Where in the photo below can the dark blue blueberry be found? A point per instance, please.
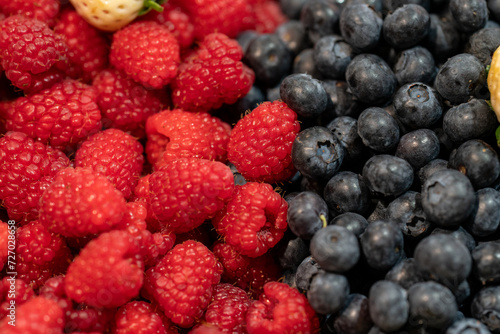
(293, 34)
(273, 93)
(491, 24)
(292, 8)
(361, 26)
(406, 26)
(317, 153)
(418, 147)
(462, 292)
(443, 258)
(304, 63)
(494, 7)
(478, 161)
(307, 213)
(468, 326)
(389, 306)
(461, 77)
(387, 175)
(405, 273)
(460, 234)
(370, 79)
(430, 168)
(328, 292)
(244, 38)
(304, 95)
(378, 130)
(354, 317)
(431, 305)
(471, 120)
(379, 211)
(486, 217)
(292, 252)
(414, 65)
(346, 192)
(483, 43)
(392, 5)
(332, 54)
(443, 40)
(305, 272)
(407, 212)
(485, 307)
(345, 128)
(320, 18)
(354, 222)
(238, 178)
(377, 5)
(417, 105)
(232, 113)
(448, 198)
(382, 245)
(486, 265)
(343, 103)
(269, 58)
(471, 15)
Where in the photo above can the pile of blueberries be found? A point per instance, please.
(394, 214)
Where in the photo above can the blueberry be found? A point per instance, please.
(332, 54)
(430, 168)
(471, 15)
(232, 113)
(494, 7)
(370, 79)
(471, 120)
(467, 326)
(444, 259)
(307, 213)
(431, 305)
(361, 26)
(392, 5)
(293, 34)
(244, 38)
(346, 192)
(387, 175)
(320, 18)
(414, 65)
(305, 272)
(461, 77)
(418, 147)
(478, 161)
(304, 95)
(304, 63)
(343, 103)
(317, 153)
(406, 26)
(380, 210)
(407, 212)
(443, 40)
(389, 307)
(378, 130)
(485, 307)
(382, 245)
(354, 222)
(486, 265)
(354, 318)
(405, 273)
(328, 292)
(293, 252)
(486, 218)
(375, 4)
(292, 8)
(460, 234)
(448, 197)
(345, 128)
(417, 105)
(483, 43)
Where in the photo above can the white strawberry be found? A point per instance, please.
(111, 15)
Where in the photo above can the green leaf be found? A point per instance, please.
(152, 4)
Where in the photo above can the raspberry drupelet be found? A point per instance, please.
(43, 10)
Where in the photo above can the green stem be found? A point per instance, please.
(152, 4)
(497, 135)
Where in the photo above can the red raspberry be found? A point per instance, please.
(27, 168)
(187, 191)
(206, 329)
(114, 154)
(268, 16)
(254, 220)
(4, 111)
(212, 75)
(80, 202)
(62, 116)
(33, 56)
(280, 310)
(87, 48)
(147, 52)
(138, 317)
(14, 289)
(142, 195)
(43, 10)
(4, 243)
(260, 146)
(228, 308)
(108, 272)
(171, 136)
(41, 254)
(37, 315)
(182, 282)
(126, 104)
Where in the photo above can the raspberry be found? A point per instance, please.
(138, 317)
(41, 254)
(187, 191)
(114, 154)
(254, 220)
(126, 104)
(268, 16)
(206, 329)
(212, 75)
(80, 202)
(87, 47)
(13, 289)
(204, 233)
(281, 309)
(171, 136)
(228, 308)
(147, 52)
(63, 115)
(182, 282)
(260, 146)
(4, 243)
(108, 272)
(27, 168)
(142, 195)
(43, 10)
(32, 55)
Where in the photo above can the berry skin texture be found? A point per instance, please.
(138, 317)
(281, 309)
(108, 272)
(182, 282)
(114, 154)
(23, 293)
(187, 191)
(80, 202)
(61, 116)
(171, 136)
(254, 220)
(260, 146)
(147, 52)
(4, 242)
(212, 75)
(44, 10)
(27, 168)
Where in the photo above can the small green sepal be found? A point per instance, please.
(152, 4)
(497, 135)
